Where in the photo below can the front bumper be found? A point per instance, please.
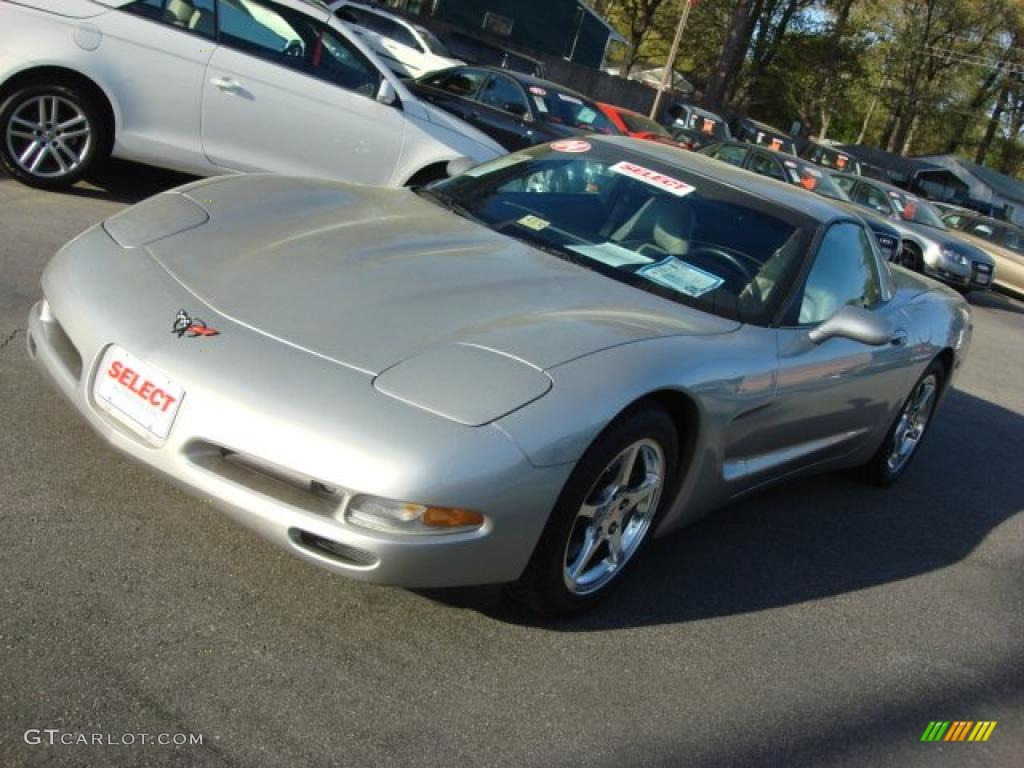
(261, 467)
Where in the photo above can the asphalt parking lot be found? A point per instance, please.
(822, 624)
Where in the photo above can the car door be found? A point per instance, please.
(169, 44)
(286, 92)
(839, 395)
(503, 113)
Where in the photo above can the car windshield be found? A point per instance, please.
(637, 123)
(705, 123)
(652, 225)
(772, 141)
(567, 109)
(917, 210)
(817, 181)
(436, 46)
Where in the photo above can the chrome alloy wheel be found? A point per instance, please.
(912, 423)
(614, 518)
(48, 136)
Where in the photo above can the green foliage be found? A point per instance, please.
(929, 73)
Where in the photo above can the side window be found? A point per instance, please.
(296, 41)
(461, 82)
(502, 93)
(844, 272)
(731, 155)
(196, 16)
(873, 198)
(844, 184)
(398, 33)
(766, 166)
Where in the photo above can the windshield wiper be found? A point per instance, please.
(448, 202)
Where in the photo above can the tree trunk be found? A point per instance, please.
(993, 125)
(867, 119)
(734, 49)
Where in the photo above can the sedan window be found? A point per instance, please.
(873, 198)
(458, 82)
(503, 94)
(296, 41)
(845, 272)
(730, 154)
(766, 166)
(196, 16)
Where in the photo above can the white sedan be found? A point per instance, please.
(409, 49)
(210, 87)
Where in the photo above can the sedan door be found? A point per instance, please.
(169, 45)
(834, 397)
(287, 93)
(503, 113)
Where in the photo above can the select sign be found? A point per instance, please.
(137, 394)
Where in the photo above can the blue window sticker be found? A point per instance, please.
(681, 277)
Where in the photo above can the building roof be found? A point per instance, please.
(613, 33)
(897, 166)
(1001, 184)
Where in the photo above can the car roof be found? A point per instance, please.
(526, 80)
(876, 183)
(787, 195)
(765, 127)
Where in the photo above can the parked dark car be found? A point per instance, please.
(515, 110)
(928, 245)
(693, 119)
(473, 50)
(690, 139)
(803, 173)
(831, 157)
(753, 132)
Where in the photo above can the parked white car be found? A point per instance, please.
(210, 87)
(409, 49)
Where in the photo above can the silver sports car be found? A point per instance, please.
(516, 375)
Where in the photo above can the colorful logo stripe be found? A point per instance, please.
(958, 730)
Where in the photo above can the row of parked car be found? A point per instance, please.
(349, 91)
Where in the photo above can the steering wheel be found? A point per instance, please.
(732, 259)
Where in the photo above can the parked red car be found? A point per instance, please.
(638, 126)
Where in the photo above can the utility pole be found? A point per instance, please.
(669, 72)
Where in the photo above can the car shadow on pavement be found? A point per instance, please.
(816, 538)
(994, 300)
(124, 182)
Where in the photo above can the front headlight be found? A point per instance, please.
(956, 258)
(407, 517)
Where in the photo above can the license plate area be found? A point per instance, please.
(136, 394)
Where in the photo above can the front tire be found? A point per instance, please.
(904, 438)
(604, 516)
(51, 134)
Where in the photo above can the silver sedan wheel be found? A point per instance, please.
(913, 421)
(614, 518)
(48, 136)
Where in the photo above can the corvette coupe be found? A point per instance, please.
(514, 376)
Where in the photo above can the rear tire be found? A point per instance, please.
(604, 516)
(51, 134)
(908, 430)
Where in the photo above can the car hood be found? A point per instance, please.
(368, 277)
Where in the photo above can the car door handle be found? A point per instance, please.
(226, 84)
(899, 339)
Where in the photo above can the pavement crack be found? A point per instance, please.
(9, 339)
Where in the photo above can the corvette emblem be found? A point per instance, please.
(192, 328)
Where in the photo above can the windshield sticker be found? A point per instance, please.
(789, 163)
(542, 105)
(655, 179)
(681, 277)
(612, 254)
(776, 144)
(536, 223)
(570, 99)
(841, 161)
(572, 146)
(495, 165)
(709, 126)
(538, 91)
(586, 116)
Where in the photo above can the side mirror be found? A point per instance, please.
(386, 93)
(854, 323)
(459, 166)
